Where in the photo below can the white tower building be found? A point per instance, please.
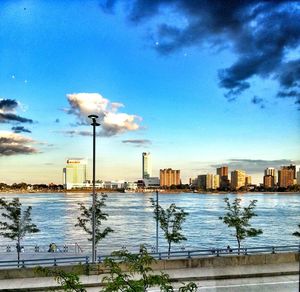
(146, 165)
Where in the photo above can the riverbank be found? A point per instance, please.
(14, 192)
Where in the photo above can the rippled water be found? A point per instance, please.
(131, 217)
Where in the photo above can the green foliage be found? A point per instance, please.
(133, 273)
(85, 219)
(17, 222)
(297, 233)
(68, 281)
(170, 221)
(238, 217)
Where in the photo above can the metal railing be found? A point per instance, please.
(55, 261)
(44, 262)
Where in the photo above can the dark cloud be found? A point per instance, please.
(137, 141)
(57, 120)
(14, 144)
(264, 35)
(8, 118)
(20, 129)
(8, 104)
(255, 165)
(73, 133)
(7, 115)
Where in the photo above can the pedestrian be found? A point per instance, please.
(229, 250)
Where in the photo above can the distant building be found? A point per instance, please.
(269, 181)
(238, 179)
(151, 182)
(271, 171)
(291, 167)
(248, 180)
(223, 173)
(75, 173)
(169, 177)
(146, 165)
(298, 177)
(285, 177)
(208, 181)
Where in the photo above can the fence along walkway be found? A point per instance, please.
(55, 260)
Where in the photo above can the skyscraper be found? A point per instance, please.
(146, 165)
(238, 179)
(169, 177)
(269, 178)
(223, 173)
(75, 173)
(285, 177)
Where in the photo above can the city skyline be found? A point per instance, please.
(192, 103)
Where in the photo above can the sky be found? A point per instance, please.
(198, 84)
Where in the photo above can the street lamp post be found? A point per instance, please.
(94, 124)
(156, 221)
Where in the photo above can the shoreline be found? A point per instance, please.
(17, 192)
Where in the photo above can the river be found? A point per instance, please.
(131, 217)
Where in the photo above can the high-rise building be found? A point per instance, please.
(169, 177)
(248, 180)
(146, 165)
(285, 177)
(298, 177)
(269, 181)
(75, 173)
(208, 181)
(223, 174)
(238, 179)
(271, 171)
(291, 167)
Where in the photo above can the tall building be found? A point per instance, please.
(75, 173)
(298, 177)
(238, 179)
(270, 171)
(223, 174)
(291, 167)
(146, 165)
(269, 181)
(169, 177)
(208, 181)
(248, 180)
(285, 177)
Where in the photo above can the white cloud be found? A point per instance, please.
(112, 122)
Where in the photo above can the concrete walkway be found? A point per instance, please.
(177, 275)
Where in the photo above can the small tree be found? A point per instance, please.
(133, 272)
(238, 217)
(68, 281)
(85, 219)
(170, 221)
(17, 222)
(297, 233)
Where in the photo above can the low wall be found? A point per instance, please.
(171, 264)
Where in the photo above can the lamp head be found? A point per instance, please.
(93, 116)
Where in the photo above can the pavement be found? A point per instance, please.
(236, 278)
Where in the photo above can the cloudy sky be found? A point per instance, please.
(196, 83)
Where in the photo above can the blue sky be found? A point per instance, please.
(162, 91)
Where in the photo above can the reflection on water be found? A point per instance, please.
(131, 217)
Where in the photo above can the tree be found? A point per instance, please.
(133, 272)
(86, 217)
(297, 233)
(17, 222)
(170, 221)
(68, 281)
(126, 272)
(238, 217)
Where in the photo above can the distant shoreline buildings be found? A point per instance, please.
(75, 177)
